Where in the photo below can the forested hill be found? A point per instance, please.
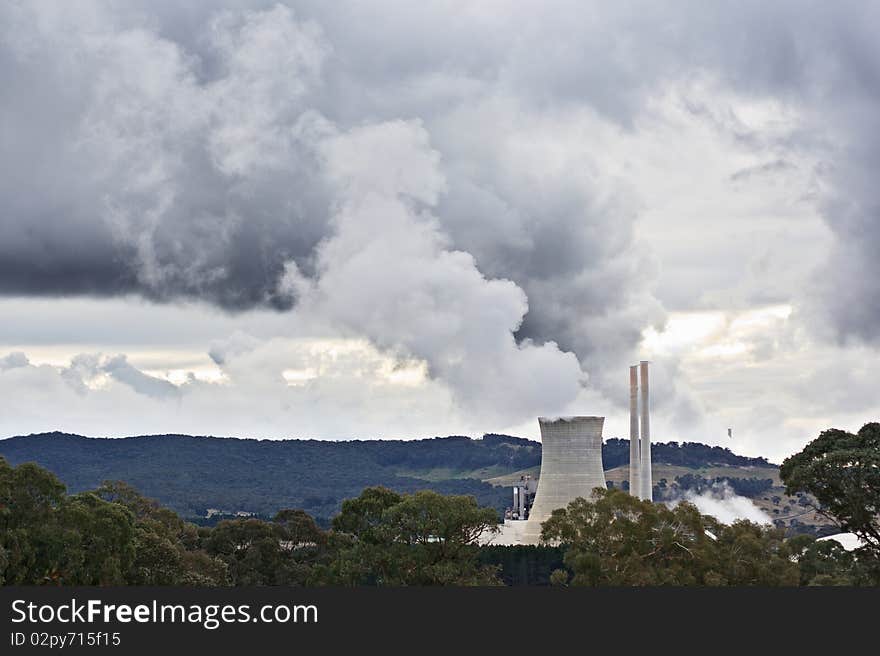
(615, 452)
(195, 474)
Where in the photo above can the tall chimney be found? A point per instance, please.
(635, 458)
(645, 477)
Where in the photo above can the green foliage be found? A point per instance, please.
(29, 494)
(746, 553)
(364, 516)
(164, 544)
(47, 537)
(416, 539)
(842, 471)
(826, 562)
(620, 540)
(290, 550)
(251, 549)
(111, 536)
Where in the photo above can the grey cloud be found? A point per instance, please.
(14, 360)
(86, 368)
(848, 284)
(119, 368)
(776, 166)
(239, 342)
(824, 60)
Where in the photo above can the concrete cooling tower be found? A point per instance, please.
(571, 466)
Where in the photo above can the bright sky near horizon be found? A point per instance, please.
(397, 220)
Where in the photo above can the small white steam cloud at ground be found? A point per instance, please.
(722, 503)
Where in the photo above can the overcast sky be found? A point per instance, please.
(407, 219)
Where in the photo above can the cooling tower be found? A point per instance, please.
(571, 466)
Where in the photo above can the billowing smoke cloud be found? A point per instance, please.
(722, 503)
(390, 273)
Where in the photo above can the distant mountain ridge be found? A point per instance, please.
(193, 475)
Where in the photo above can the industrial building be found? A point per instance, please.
(571, 465)
(523, 498)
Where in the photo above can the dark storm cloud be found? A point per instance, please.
(128, 174)
(849, 284)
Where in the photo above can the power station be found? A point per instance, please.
(571, 464)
